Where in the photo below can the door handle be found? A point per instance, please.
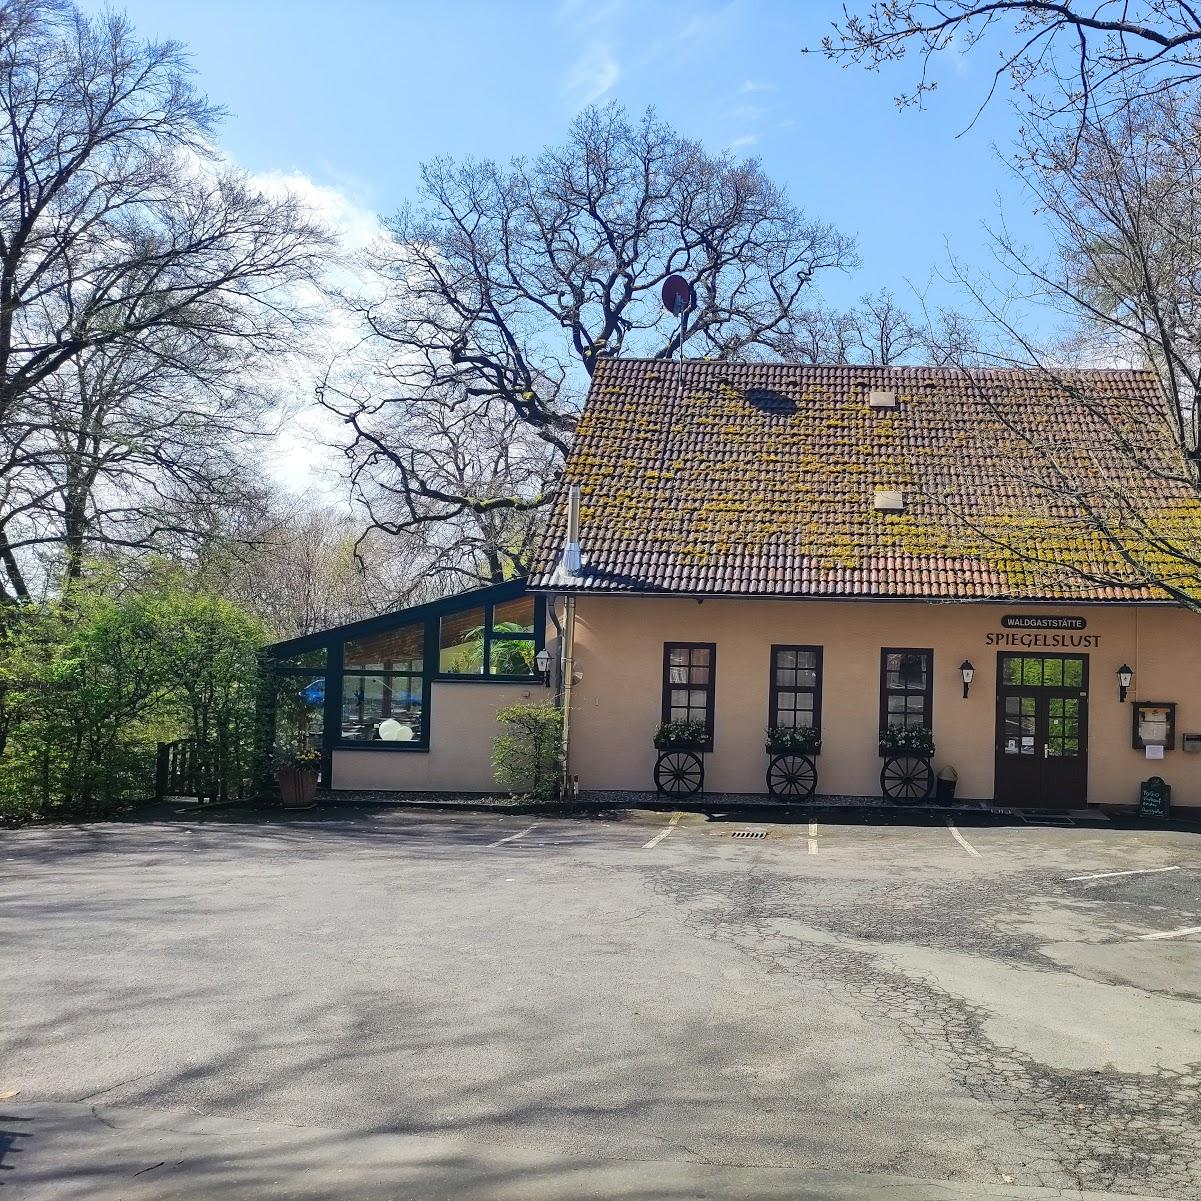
(1046, 750)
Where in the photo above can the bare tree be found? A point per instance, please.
(1121, 193)
(1122, 199)
(881, 332)
(468, 475)
(139, 439)
(1063, 55)
(504, 285)
(137, 278)
(302, 567)
(297, 565)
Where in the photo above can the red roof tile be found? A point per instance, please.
(758, 478)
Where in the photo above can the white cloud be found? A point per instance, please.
(356, 222)
(593, 74)
(301, 457)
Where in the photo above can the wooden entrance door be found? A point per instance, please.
(1042, 731)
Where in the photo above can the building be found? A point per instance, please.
(408, 701)
(846, 548)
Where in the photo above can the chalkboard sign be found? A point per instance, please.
(1154, 798)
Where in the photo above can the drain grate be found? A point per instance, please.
(1058, 821)
(749, 834)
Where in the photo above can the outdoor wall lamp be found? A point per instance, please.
(542, 660)
(1125, 675)
(968, 672)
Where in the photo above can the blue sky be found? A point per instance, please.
(355, 95)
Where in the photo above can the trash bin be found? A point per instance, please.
(1155, 798)
(944, 790)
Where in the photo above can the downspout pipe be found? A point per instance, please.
(571, 569)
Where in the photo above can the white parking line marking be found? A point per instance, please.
(658, 838)
(1134, 871)
(513, 837)
(813, 838)
(959, 838)
(1171, 933)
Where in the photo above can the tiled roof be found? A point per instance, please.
(757, 478)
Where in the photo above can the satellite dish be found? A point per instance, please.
(679, 296)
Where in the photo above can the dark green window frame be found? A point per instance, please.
(534, 639)
(281, 659)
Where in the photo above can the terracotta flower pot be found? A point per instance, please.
(297, 786)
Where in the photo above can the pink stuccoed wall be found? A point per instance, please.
(464, 725)
(619, 653)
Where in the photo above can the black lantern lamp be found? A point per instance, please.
(1125, 675)
(968, 672)
(542, 661)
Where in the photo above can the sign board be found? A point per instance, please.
(1022, 621)
(1154, 798)
(1154, 724)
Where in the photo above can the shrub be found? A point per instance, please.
(90, 684)
(527, 757)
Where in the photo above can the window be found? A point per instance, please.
(297, 703)
(688, 679)
(511, 638)
(383, 686)
(796, 687)
(461, 643)
(906, 687)
(299, 708)
(1063, 727)
(1037, 671)
(305, 661)
(491, 640)
(1021, 725)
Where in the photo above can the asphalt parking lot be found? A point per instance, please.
(437, 1004)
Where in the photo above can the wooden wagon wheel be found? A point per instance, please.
(792, 776)
(679, 773)
(906, 778)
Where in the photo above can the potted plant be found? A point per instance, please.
(680, 767)
(803, 740)
(296, 775)
(907, 751)
(681, 736)
(791, 770)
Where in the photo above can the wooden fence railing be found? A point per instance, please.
(188, 768)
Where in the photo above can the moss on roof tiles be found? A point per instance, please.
(759, 478)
